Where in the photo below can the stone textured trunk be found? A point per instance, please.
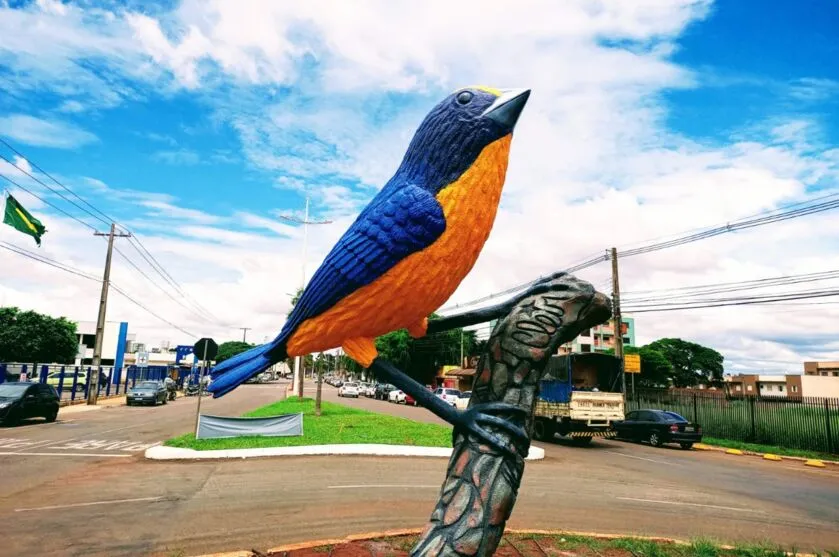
(481, 484)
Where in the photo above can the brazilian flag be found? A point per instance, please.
(20, 219)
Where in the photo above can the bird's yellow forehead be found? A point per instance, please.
(484, 88)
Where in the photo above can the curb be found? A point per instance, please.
(813, 462)
(161, 452)
(416, 531)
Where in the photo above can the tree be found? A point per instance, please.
(231, 348)
(656, 369)
(692, 363)
(29, 336)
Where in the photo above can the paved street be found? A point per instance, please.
(102, 504)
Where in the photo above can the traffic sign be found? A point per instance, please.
(142, 359)
(632, 363)
(205, 349)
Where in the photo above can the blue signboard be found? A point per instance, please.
(181, 352)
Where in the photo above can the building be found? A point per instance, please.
(787, 386)
(823, 369)
(601, 338)
(115, 341)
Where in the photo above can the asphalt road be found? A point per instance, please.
(100, 504)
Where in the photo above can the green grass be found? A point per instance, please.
(338, 424)
(758, 448)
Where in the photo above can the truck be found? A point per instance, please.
(580, 398)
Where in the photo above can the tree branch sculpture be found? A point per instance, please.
(482, 482)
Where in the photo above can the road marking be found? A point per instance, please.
(642, 458)
(68, 454)
(90, 504)
(380, 486)
(660, 502)
(96, 433)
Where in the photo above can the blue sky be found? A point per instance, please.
(199, 123)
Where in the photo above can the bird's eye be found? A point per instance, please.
(464, 97)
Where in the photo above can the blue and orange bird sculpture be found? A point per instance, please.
(406, 253)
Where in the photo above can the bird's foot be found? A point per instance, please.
(475, 420)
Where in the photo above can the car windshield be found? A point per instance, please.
(671, 417)
(467, 394)
(12, 389)
(350, 385)
(452, 392)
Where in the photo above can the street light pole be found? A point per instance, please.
(298, 373)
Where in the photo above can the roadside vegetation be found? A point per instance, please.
(338, 424)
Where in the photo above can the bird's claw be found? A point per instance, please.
(474, 421)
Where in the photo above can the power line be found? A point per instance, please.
(180, 303)
(757, 284)
(48, 175)
(108, 220)
(56, 207)
(739, 301)
(735, 226)
(52, 189)
(80, 273)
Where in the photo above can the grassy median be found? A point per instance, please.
(337, 424)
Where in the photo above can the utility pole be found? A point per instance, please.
(93, 387)
(298, 373)
(461, 348)
(617, 323)
(245, 333)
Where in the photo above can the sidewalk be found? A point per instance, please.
(116, 400)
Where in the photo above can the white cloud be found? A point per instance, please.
(593, 163)
(186, 157)
(44, 133)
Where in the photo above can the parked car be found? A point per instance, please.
(409, 400)
(66, 382)
(19, 401)
(463, 400)
(349, 390)
(382, 390)
(147, 392)
(396, 396)
(657, 427)
(368, 389)
(449, 395)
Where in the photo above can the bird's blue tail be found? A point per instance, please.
(234, 371)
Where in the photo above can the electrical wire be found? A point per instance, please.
(80, 273)
(156, 266)
(55, 191)
(56, 207)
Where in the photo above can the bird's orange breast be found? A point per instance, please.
(423, 281)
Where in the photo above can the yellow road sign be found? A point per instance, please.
(632, 363)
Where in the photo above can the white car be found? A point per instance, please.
(463, 401)
(366, 389)
(348, 389)
(396, 396)
(449, 395)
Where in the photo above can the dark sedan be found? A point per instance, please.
(19, 401)
(147, 392)
(658, 427)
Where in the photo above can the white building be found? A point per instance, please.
(114, 342)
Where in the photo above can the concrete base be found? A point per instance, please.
(161, 452)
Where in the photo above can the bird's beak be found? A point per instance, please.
(507, 107)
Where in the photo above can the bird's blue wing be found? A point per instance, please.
(397, 223)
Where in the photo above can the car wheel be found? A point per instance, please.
(686, 446)
(52, 416)
(654, 439)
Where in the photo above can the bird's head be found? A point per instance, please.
(455, 132)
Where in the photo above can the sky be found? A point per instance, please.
(199, 125)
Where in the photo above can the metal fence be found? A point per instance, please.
(74, 382)
(796, 423)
